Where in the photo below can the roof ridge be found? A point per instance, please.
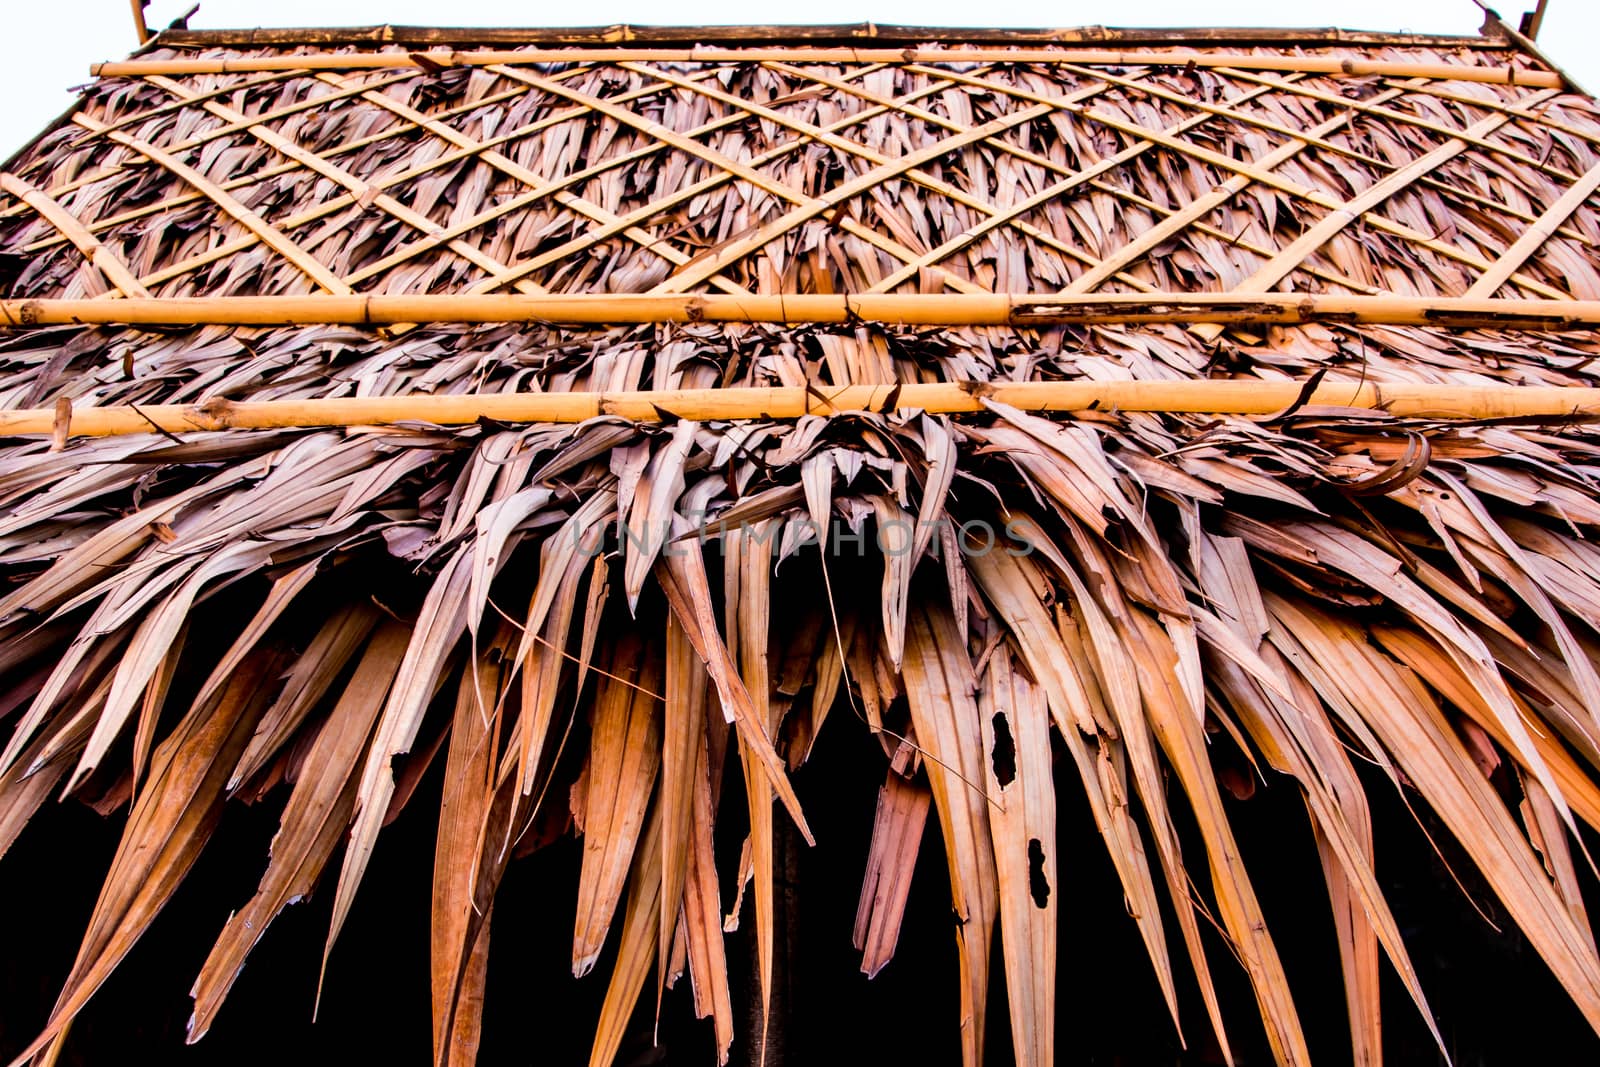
(623, 34)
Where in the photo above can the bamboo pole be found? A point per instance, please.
(1206, 396)
(433, 60)
(1493, 21)
(268, 234)
(1202, 206)
(793, 34)
(140, 27)
(106, 261)
(351, 183)
(1288, 259)
(1536, 235)
(1224, 161)
(1533, 21)
(910, 309)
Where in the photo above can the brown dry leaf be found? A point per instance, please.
(747, 580)
(683, 580)
(1013, 584)
(1180, 736)
(1549, 836)
(438, 626)
(313, 823)
(682, 747)
(1296, 737)
(314, 672)
(148, 648)
(22, 793)
(897, 541)
(1015, 719)
(166, 830)
(897, 827)
(702, 915)
(940, 690)
(460, 946)
(640, 923)
(624, 756)
(1416, 736)
(543, 659)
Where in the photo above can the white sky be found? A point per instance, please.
(52, 42)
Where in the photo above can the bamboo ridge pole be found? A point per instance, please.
(865, 33)
(1493, 21)
(1206, 396)
(434, 60)
(913, 309)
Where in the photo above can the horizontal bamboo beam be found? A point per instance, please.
(435, 60)
(909, 309)
(1206, 396)
(838, 33)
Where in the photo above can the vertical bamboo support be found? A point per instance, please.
(140, 27)
(1533, 20)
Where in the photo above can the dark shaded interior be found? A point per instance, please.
(376, 1003)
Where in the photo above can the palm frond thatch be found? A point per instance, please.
(584, 625)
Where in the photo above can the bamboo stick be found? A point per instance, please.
(69, 226)
(1493, 21)
(557, 191)
(1008, 215)
(1534, 20)
(140, 27)
(1371, 105)
(1204, 396)
(1202, 206)
(264, 230)
(1516, 109)
(1158, 210)
(733, 167)
(326, 207)
(1535, 236)
(358, 187)
(721, 257)
(1297, 252)
(212, 134)
(909, 309)
(886, 168)
(1328, 65)
(1272, 179)
(1088, 176)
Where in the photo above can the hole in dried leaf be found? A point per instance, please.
(1005, 751)
(1038, 884)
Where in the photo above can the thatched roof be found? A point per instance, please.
(568, 617)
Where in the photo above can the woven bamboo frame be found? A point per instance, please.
(688, 271)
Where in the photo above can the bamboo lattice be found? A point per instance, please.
(783, 171)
